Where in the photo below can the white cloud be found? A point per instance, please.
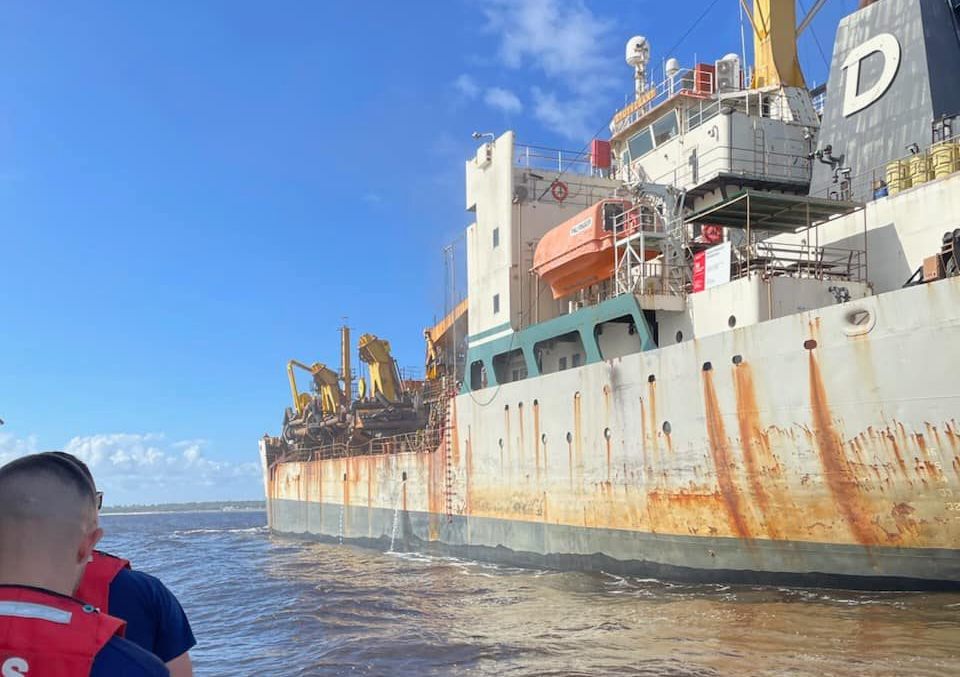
(147, 468)
(565, 41)
(573, 117)
(467, 86)
(503, 100)
(11, 447)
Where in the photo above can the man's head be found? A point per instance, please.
(48, 521)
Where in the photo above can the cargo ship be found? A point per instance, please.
(721, 344)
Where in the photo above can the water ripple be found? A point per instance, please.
(262, 604)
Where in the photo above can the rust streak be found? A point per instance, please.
(899, 454)
(839, 478)
(522, 441)
(652, 399)
(720, 451)
(536, 437)
(748, 419)
(643, 434)
(578, 431)
(608, 461)
(455, 450)
(468, 450)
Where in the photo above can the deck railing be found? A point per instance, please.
(774, 259)
(427, 440)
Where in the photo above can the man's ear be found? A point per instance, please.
(90, 540)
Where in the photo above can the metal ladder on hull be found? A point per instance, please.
(449, 476)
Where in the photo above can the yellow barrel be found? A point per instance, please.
(919, 168)
(944, 159)
(897, 176)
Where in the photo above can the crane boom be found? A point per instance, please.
(776, 63)
(327, 384)
(384, 376)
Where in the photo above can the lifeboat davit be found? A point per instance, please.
(579, 252)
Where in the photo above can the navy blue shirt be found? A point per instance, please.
(155, 619)
(120, 658)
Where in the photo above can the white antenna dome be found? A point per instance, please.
(731, 57)
(672, 67)
(638, 51)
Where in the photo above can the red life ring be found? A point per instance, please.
(559, 191)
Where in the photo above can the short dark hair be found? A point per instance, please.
(77, 462)
(63, 466)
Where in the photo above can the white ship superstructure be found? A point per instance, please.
(680, 360)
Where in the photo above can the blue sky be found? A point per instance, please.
(191, 193)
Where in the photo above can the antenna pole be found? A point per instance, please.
(345, 373)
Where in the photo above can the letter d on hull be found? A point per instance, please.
(855, 100)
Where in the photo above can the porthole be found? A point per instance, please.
(344, 477)
(500, 442)
(536, 403)
(403, 476)
(679, 336)
(543, 438)
(732, 321)
(737, 359)
(606, 433)
(569, 438)
(667, 427)
(506, 407)
(651, 378)
(707, 366)
(809, 344)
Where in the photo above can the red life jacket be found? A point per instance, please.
(94, 587)
(43, 633)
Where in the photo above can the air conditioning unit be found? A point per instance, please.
(728, 73)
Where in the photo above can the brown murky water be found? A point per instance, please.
(267, 605)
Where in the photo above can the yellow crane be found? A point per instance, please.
(326, 381)
(440, 341)
(775, 33)
(384, 376)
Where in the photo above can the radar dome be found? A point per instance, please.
(638, 51)
(672, 67)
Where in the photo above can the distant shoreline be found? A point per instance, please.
(123, 513)
(199, 506)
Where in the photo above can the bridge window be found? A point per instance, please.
(640, 143)
(556, 353)
(617, 337)
(510, 366)
(478, 375)
(665, 128)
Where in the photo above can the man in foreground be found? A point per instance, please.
(155, 620)
(48, 529)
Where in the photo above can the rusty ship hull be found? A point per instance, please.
(778, 406)
(800, 450)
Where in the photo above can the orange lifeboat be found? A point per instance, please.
(579, 252)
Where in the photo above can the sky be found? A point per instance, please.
(192, 193)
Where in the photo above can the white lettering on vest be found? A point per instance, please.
(14, 667)
(888, 45)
